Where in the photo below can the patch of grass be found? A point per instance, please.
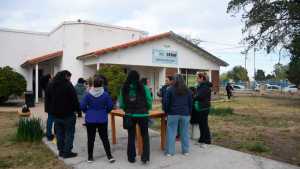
(219, 111)
(5, 164)
(256, 147)
(23, 155)
(30, 129)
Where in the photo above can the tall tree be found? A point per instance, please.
(268, 23)
(280, 71)
(238, 73)
(260, 75)
(293, 72)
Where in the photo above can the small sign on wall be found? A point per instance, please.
(160, 56)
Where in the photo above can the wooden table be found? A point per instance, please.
(152, 114)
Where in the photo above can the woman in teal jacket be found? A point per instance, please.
(135, 99)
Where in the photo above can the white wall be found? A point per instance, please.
(97, 37)
(17, 47)
(142, 55)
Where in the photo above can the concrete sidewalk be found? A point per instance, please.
(210, 157)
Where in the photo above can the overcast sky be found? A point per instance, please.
(203, 19)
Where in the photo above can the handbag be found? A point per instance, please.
(127, 122)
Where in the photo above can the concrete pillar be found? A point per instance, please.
(37, 83)
(162, 76)
(209, 75)
(98, 66)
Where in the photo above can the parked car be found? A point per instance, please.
(238, 87)
(291, 89)
(273, 87)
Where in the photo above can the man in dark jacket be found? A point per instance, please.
(163, 90)
(229, 90)
(203, 96)
(61, 101)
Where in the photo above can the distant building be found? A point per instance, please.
(82, 47)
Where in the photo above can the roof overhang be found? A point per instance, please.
(42, 58)
(171, 35)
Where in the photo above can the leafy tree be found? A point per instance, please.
(280, 71)
(268, 23)
(238, 73)
(224, 76)
(115, 76)
(11, 82)
(270, 77)
(293, 72)
(260, 75)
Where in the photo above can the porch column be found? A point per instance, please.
(37, 83)
(209, 75)
(98, 66)
(162, 76)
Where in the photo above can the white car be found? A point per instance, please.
(273, 88)
(238, 87)
(291, 89)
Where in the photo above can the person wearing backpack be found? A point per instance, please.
(178, 108)
(135, 99)
(61, 102)
(203, 97)
(96, 105)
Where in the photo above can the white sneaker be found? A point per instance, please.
(186, 154)
(111, 160)
(168, 155)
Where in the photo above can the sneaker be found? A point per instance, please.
(50, 138)
(69, 155)
(90, 160)
(131, 160)
(60, 154)
(168, 155)
(186, 154)
(111, 160)
(145, 161)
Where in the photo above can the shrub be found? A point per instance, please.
(221, 111)
(11, 82)
(30, 129)
(115, 76)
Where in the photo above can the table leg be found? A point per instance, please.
(162, 132)
(139, 140)
(113, 129)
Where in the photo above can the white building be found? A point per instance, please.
(82, 47)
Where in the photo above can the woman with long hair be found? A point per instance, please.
(203, 96)
(178, 106)
(135, 99)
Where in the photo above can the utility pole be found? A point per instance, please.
(254, 50)
(246, 61)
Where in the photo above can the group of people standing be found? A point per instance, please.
(181, 104)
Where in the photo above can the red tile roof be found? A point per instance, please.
(43, 58)
(125, 45)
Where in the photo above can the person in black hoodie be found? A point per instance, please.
(203, 96)
(61, 102)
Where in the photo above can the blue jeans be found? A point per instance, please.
(50, 121)
(172, 125)
(65, 129)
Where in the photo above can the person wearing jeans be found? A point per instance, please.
(96, 105)
(178, 107)
(65, 129)
(50, 121)
(61, 102)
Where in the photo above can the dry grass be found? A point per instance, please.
(266, 126)
(22, 155)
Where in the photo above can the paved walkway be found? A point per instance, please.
(210, 157)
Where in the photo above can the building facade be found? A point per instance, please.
(83, 47)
